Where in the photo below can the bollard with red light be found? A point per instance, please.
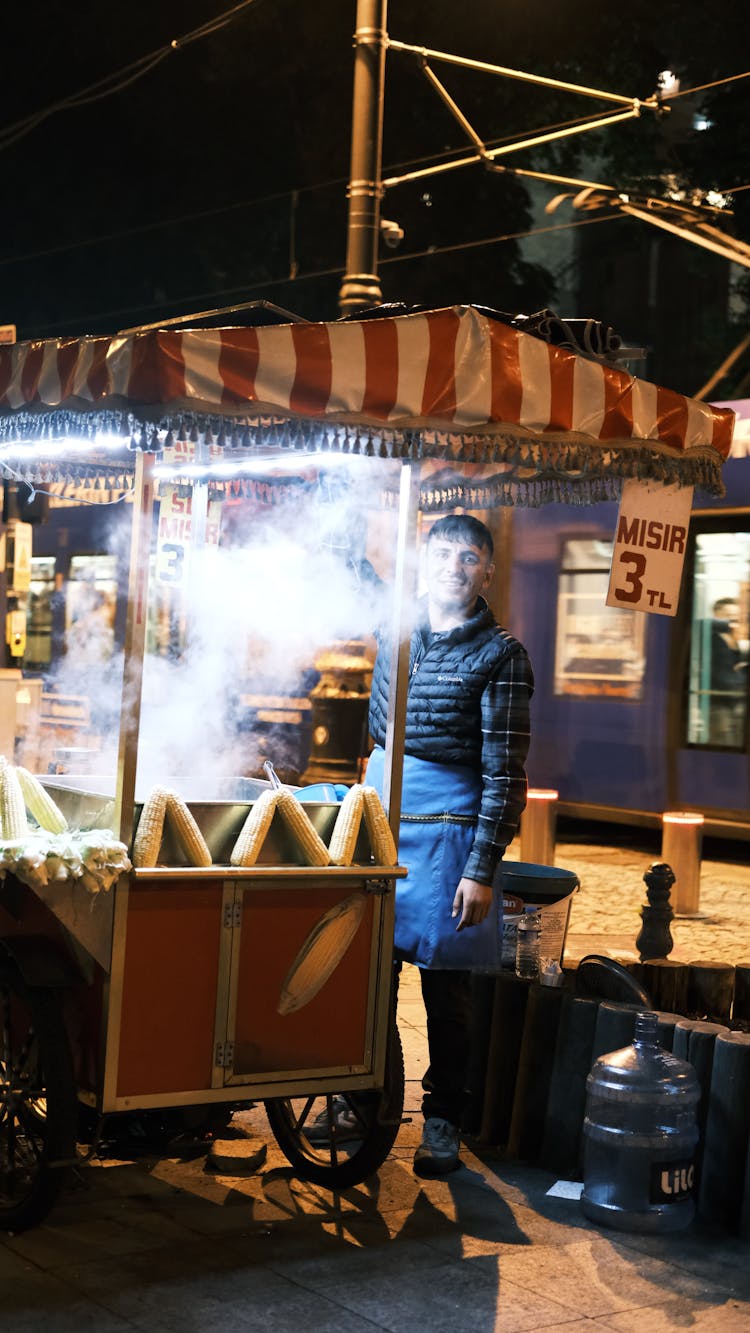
(537, 828)
(682, 835)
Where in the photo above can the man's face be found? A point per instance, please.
(457, 572)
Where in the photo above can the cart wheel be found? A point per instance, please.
(37, 1102)
(341, 1158)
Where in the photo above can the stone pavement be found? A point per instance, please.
(605, 913)
(160, 1245)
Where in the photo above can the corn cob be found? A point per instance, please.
(254, 830)
(12, 807)
(382, 844)
(186, 831)
(150, 828)
(311, 845)
(346, 829)
(321, 953)
(39, 803)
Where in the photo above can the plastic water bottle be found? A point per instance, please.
(529, 943)
(640, 1134)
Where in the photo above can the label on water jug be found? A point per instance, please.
(671, 1182)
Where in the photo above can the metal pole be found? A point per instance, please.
(135, 643)
(360, 285)
(402, 622)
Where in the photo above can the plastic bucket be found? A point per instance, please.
(550, 889)
(322, 791)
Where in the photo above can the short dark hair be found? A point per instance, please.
(724, 601)
(463, 527)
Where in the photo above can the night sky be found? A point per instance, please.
(219, 176)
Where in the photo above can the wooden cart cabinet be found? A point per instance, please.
(199, 961)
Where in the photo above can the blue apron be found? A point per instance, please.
(438, 823)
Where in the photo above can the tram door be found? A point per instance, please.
(715, 723)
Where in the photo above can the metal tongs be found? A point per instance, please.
(272, 775)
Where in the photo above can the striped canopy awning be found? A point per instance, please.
(452, 384)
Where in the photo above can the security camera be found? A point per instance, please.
(391, 233)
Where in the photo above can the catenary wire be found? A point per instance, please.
(257, 202)
(119, 79)
(704, 87)
(337, 270)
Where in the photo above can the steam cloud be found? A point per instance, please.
(256, 611)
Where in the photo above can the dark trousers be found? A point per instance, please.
(447, 1002)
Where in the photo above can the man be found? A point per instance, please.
(728, 676)
(464, 787)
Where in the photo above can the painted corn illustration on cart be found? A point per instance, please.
(201, 942)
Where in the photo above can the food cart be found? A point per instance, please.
(167, 985)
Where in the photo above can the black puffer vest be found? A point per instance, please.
(447, 677)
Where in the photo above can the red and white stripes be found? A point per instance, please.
(453, 369)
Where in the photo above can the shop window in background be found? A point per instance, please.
(90, 605)
(38, 655)
(599, 650)
(719, 632)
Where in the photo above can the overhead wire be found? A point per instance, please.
(429, 252)
(142, 66)
(256, 202)
(704, 87)
(119, 79)
(130, 73)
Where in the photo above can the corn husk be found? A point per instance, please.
(379, 832)
(150, 829)
(321, 953)
(186, 831)
(306, 838)
(346, 829)
(12, 805)
(252, 835)
(40, 804)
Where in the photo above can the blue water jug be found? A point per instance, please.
(640, 1134)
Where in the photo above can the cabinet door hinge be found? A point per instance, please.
(232, 914)
(224, 1054)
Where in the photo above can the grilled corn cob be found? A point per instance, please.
(12, 807)
(40, 804)
(311, 845)
(346, 829)
(321, 953)
(379, 832)
(150, 828)
(254, 830)
(188, 835)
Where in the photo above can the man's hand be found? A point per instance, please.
(473, 901)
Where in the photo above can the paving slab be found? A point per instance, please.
(159, 1243)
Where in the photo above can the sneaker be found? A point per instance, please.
(437, 1154)
(347, 1125)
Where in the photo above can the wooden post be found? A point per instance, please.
(682, 833)
(535, 1062)
(722, 1180)
(537, 828)
(615, 1025)
(666, 982)
(694, 1041)
(566, 1102)
(710, 991)
(741, 1006)
(508, 1014)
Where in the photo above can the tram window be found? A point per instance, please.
(38, 653)
(599, 649)
(717, 713)
(90, 603)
